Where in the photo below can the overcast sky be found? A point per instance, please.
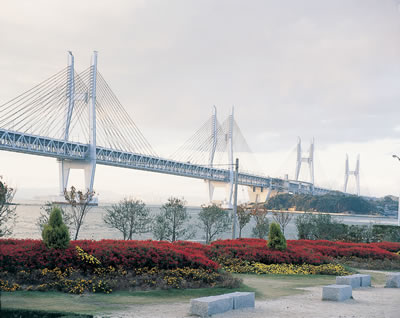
(312, 68)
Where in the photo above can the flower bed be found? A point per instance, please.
(257, 251)
(240, 266)
(101, 266)
(18, 255)
(32, 254)
(342, 249)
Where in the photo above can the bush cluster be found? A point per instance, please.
(103, 266)
(276, 239)
(32, 254)
(55, 234)
(323, 227)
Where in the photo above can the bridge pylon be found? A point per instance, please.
(355, 173)
(88, 165)
(308, 160)
(214, 134)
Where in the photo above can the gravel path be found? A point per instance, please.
(374, 302)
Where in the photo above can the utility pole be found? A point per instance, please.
(398, 209)
(234, 213)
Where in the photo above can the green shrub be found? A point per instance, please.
(276, 239)
(390, 233)
(55, 234)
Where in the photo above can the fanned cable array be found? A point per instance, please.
(115, 128)
(199, 147)
(43, 111)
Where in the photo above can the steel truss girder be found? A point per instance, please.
(61, 149)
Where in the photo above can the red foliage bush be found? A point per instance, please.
(33, 254)
(342, 249)
(256, 250)
(389, 246)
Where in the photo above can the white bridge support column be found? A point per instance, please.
(212, 152)
(89, 165)
(230, 154)
(355, 173)
(89, 174)
(308, 160)
(63, 170)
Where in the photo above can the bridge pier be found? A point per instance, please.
(65, 167)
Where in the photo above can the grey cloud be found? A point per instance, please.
(287, 66)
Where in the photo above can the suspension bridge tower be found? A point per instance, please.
(355, 173)
(308, 160)
(89, 98)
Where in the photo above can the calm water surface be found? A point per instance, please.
(95, 228)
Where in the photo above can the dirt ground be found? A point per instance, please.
(374, 302)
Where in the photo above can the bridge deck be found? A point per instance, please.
(60, 149)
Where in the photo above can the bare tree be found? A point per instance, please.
(172, 223)
(244, 217)
(283, 219)
(80, 206)
(129, 217)
(8, 215)
(214, 221)
(259, 212)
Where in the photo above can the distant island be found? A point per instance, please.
(334, 202)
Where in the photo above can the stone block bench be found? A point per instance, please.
(206, 306)
(393, 280)
(355, 281)
(337, 292)
(242, 300)
(365, 280)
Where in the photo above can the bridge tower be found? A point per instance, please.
(229, 141)
(355, 173)
(214, 134)
(230, 154)
(308, 160)
(89, 165)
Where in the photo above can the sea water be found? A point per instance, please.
(94, 227)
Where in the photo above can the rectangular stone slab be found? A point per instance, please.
(365, 280)
(242, 299)
(206, 306)
(336, 292)
(393, 280)
(352, 280)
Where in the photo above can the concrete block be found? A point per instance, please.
(393, 280)
(242, 300)
(336, 292)
(206, 306)
(353, 280)
(365, 280)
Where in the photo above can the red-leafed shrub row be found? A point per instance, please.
(301, 251)
(389, 246)
(342, 249)
(256, 250)
(30, 254)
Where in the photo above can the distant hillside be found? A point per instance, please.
(334, 202)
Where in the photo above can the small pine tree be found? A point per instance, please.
(276, 239)
(55, 234)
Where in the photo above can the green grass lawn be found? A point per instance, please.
(97, 303)
(265, 287)
(275, 286)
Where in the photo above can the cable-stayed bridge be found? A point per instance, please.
(77, 119)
